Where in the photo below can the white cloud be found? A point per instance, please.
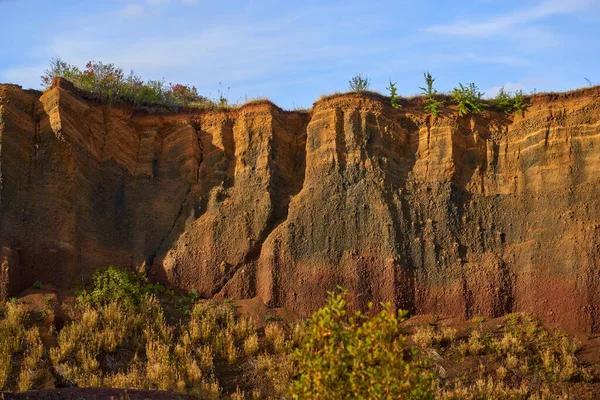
(132, 11)
(503, 24)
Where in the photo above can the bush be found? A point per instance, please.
(37, 285)
(508, 102)
(59, 67)
(469, 99)
(114, 284)
(431, 104)
(519, 103)
(393, 95)
(359, 84)
(355, 356)
(109, 83)
(504, 101)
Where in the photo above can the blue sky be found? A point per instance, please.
(294, 51)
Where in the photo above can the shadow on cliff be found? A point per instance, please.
(471, 158)
(396, 178)
(215, 175)
(216, 184)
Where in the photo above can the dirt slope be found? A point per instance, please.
(452, 215)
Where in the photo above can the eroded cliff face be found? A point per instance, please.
(452, 215)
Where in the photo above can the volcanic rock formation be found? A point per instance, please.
(453, 215)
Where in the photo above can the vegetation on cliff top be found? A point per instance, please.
(507, 102)
(109, 83)
(123, 333)
(432, 105)
(359, 83)
(468, 98)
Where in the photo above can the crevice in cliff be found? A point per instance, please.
(467, 295)
(152, 256)
(104, 124)
(186, 198)
(395, 191)
(35, 118)
(504, 299)
(340, 140)
(282, 188)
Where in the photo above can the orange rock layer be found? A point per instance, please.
(450, 215)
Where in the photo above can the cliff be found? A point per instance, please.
(451, 215)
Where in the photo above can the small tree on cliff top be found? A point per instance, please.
(359, 83)
(393, 95)
(431, 104)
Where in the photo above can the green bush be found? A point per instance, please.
(115, 284)
(393, 95)
(431, 104)
(359, 84)
(347, 356)
(508, 102)
(469, 99)
(503, 101)
(519, 103)
(37, 285)
(109, 83)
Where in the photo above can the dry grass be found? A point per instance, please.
(425, 336)
(112, 346)
(278, 368)
(484, 389)
(519, 359)
(251, 345)
(18, 341)
(275, 336)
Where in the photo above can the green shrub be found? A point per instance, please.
(431, 104)
(59, 67)
(393, 95)
(37, 285)
(114, 284)
(519, 103)
(504, 101)
(359, 84)
(508, 102)
(347, 355)
(469, 99)
(109, 83)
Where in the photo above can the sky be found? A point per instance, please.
(292, 52)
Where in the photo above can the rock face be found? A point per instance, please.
(451, 215)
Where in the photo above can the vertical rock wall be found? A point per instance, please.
(460, 216)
